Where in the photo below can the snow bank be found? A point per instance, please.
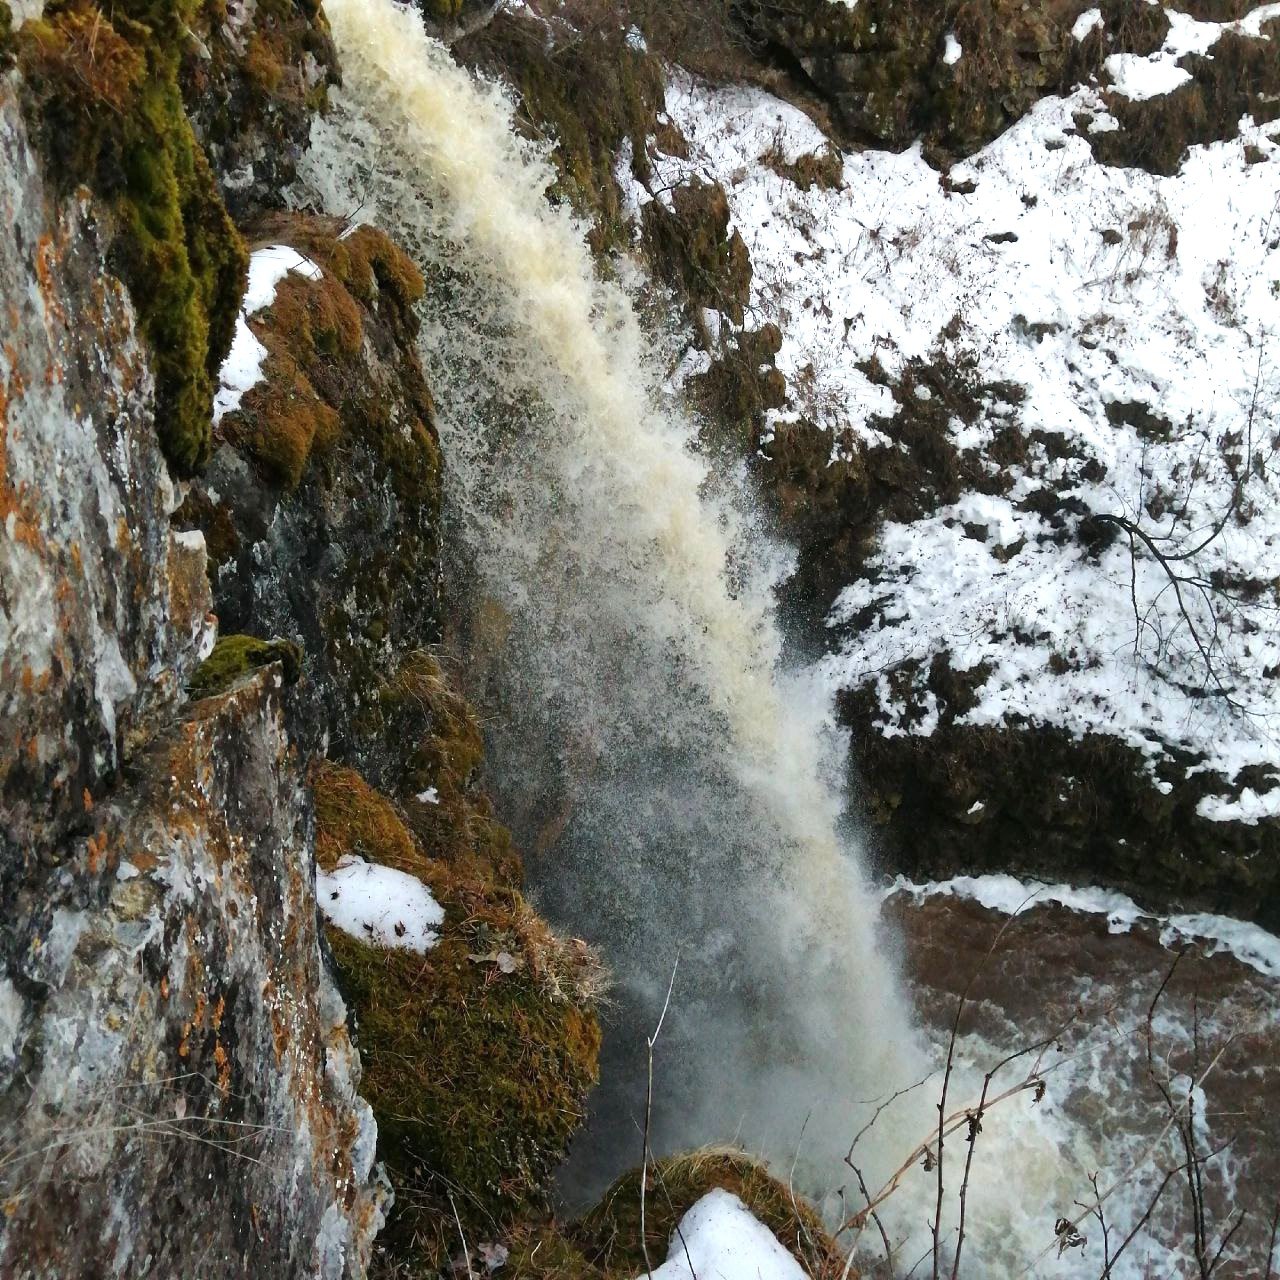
(242, 369)
(379, 905)
(722, 1240)
(1247, 942)
(1135, 317)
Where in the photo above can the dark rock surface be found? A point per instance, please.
(329, 536)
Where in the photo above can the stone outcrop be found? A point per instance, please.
(321, 502)
(167, 1027)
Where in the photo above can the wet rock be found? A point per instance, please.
(892, 72)
(321, 503)
(177, 1088)
(253, 74)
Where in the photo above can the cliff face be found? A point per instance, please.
(169, 1036)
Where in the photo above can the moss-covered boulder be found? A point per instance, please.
(609, 1237)
(478, 1055)
(321, 503)
(236, 656)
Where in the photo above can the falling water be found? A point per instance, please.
(673, 786)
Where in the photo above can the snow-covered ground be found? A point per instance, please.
(1090, 288)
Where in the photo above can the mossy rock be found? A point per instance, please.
(438, 774)
(691, 248)
(546, 1251)
(587, 90)
(351, 817)
(235, 656)
(252, 92)
(101, 82)
(478, 1078)
(609, 1237)
(478, 1055)
(1239, 77)
(315, 387)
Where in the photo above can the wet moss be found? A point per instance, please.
(610, 1237)
(351, 817)
(315, 392)
(691, 248)
(445, 804)
(103, 87)
(234, 656)
(546, 1251)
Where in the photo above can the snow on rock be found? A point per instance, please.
(1089, 20)
(379, 905)
(953, 51)
(242, 369)
(1140, 78)
(720, 1239)
(1134, 317)
(1249, 807)
(1010, 895)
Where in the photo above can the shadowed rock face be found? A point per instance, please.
(167, 1029)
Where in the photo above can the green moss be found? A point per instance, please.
(546, 1251)
(316, 390)
(105, 92)
(233, 656)
(610, 1237)
(443, 752)
(351, 817)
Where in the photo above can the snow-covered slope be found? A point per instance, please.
(1111, 563)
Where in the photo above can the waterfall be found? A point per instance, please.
(675, 791)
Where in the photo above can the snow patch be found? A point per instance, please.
(1140, 78)
(379, 905)
(720, 1239)
(953, 51)
(1009, 895)
(1089, 20)
(1250, 807)
(242, 369)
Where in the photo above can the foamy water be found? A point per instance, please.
(676, 793)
